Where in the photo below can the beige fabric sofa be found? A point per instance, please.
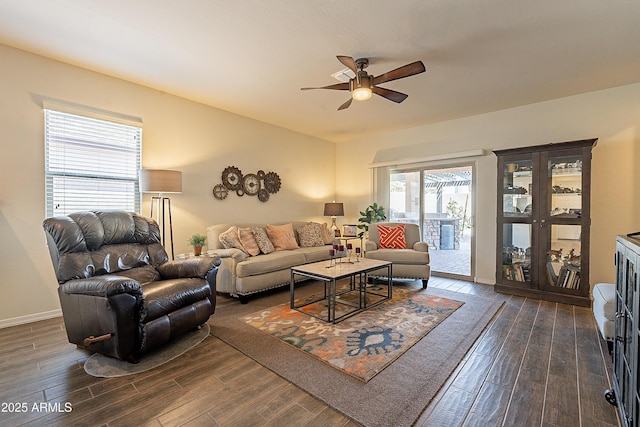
(410, 263)
(242, 275)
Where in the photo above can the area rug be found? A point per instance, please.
(102, 366)
(361, 345)
(397, 395)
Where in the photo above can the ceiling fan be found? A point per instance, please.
(363, 84)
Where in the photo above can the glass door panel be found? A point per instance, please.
(518, 184)
(516, 252)
(404, 197)
(563, 256)
(447, 207)
(440, 201)
(565, 183)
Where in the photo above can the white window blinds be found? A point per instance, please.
(90, 164)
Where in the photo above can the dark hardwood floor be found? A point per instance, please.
(537, 364)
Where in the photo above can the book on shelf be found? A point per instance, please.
(519, 272)
(563, 276)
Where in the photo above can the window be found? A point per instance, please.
(90, 163)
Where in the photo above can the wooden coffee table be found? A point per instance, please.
(356, 297)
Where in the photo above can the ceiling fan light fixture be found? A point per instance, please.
(361, 93)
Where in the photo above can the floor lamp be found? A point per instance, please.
(162, 181)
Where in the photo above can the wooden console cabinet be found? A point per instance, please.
(626, 383)
(543, 221)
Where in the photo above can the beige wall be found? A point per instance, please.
(611, 115)
(201, 141)
(178, 134)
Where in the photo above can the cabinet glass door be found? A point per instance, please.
(563, 257)
(517, 213)
(516, 252)
(517, 198)
(565, 183)
(561, 222)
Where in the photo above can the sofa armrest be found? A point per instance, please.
(102, 286)
(370, 246)
(236, 254)
(192, 267)
(421, 247)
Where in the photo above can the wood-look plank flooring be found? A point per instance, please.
(537, 364)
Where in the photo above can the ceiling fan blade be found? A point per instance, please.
(348, 62)
(337, 86)
(400, 73)
(345, 105)
(391, 95)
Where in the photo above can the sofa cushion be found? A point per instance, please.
(267, 263)
(248, 241)
(265, 245)
(310, 235)
(316, 253)
(400, 256)
(230, 239)
(392, 237)
(327, 234)
(282, 237)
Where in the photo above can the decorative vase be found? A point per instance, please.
(197, 250)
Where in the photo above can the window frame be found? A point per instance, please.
(121, 178)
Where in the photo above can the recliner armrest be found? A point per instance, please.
(421, 247)
(184, 268)
(102, 286)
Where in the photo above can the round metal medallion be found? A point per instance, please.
(251, 184)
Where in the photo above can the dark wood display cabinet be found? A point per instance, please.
(543, 221)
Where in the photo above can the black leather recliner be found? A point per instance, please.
(120, 295)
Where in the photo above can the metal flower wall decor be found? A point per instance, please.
(261, 184)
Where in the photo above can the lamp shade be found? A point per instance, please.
(160, 181)
(333, 209)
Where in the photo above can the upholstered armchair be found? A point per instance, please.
(119, 293)
(400, 243)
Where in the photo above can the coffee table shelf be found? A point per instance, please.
(329, 274)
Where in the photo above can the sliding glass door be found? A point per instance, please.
(440, 201)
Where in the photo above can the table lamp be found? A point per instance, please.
(334, 210)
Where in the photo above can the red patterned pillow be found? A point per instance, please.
(392, 237)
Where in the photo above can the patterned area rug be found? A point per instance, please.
(362, 345)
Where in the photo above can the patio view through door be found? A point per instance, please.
(440, 201)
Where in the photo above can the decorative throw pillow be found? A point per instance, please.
(328, 235)
(230, 239)
(282, 237)
(265, 245)
(310, 235)
(392, 237)
(248, 242)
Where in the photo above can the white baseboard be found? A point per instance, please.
(22, 320)
(485, 281)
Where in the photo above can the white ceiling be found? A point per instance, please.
(251, 57)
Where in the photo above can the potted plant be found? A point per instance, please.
(197, 241)
(373, 213)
